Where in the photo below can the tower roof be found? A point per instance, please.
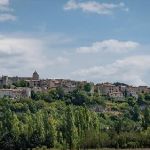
(35, 72)
(35, 75)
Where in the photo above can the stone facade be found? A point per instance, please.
(119, 92)
(110, 90)
(36, 84)
(16, 93)
(35, 76)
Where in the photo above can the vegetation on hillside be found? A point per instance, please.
(71, 121)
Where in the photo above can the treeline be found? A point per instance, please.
(65, 121)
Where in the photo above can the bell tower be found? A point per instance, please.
(35, 76)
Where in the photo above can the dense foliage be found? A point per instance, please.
(70, 121)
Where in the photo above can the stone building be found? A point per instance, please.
(35, 76)
(110, 90)
(132, 91)
(143, 89)
(107, 88)
(16, 93)
(35, 83)
(4, 81)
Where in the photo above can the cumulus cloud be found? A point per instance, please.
(18, 53)
(4, 2)
(129, 70)
(6, 13)
(7, 17)
(59, 61)
(109, 46)
(95, 7)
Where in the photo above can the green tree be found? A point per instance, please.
(136, 113)
(87, 87)
(146, 120)
(21, 83)
(131, 101)
(70, 129)
(140, 99)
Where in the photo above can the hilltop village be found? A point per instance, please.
(21, 87)
(66, 114)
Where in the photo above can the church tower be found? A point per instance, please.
(35, 76)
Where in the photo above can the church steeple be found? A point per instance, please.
(35, 76)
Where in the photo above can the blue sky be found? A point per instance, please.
(94, 40)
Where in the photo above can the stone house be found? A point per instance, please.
(15, 93)
(107, 88)
(110, 90)
(132, 91)
(143, 89)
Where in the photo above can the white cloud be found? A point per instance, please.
(60, 61)
(95, 7)
(129, 70)
(109, 46)
(6, 13)
(29, 53)
(4, 2)
(7, 17)
(71, 4)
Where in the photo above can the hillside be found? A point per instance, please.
(74, 120)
